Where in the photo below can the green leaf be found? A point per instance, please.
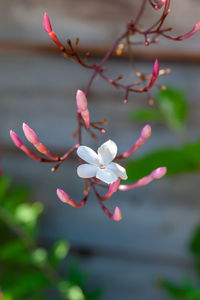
(7, 296)
(73, 292)
(14, 252)
(194, 245)
(173, 105)
(75, 275)
(185, 159)
(59, 252)
(146, 115)
(95, 294)
(184, 291)
(39, 256)
(14, 197)
(28, 213)
(28, 283)
(5, 183)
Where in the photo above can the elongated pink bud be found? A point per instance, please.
(113, 187)
(33, 139)
(156, 174)
(156, 68)
(82, 107)
(159, 172)
(85, 114)
(30, 134)
(81, 101)
(146, 132)
(46, 23)
(117, 215)
(155, 74)
(65, 198)
(186, 35)
(144, 136)
(50, 32)
(16, 140)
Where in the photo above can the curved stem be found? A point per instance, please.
(140, 12)
(105, 58)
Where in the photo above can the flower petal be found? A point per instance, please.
(118, 170)
(106, 176)
(107, 152)
(87, 171)
(88, 155)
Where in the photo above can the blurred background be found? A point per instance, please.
(38, 86)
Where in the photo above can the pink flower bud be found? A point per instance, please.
(16, 140)
(155, 74)
(81, 101)
(19, 144)
(186, 35)
(30, 134)
(113, 187)
(190, 33)
(50, 32)
(86, 117)
(146, 132)
(160, 4)
(82, 104)
(46, 23)
(159, 173)
(156, 174)
(156, 68)
(65, 198)
(33, 139)
(117, 215)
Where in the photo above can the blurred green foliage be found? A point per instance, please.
(186, 289)
(170, 108)
(177, 161)
(29, 271)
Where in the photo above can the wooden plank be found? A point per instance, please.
(40, 90)
(145, 53)
(130, 279)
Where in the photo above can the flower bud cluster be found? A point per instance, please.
(33, 139)
(100, 169)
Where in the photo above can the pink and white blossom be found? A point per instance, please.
(100, 164)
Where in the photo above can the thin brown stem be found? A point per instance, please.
(142, 8)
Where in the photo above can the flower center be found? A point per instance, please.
(102, 167)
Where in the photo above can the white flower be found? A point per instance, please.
(100, 164)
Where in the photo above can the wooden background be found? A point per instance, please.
(38, 86)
